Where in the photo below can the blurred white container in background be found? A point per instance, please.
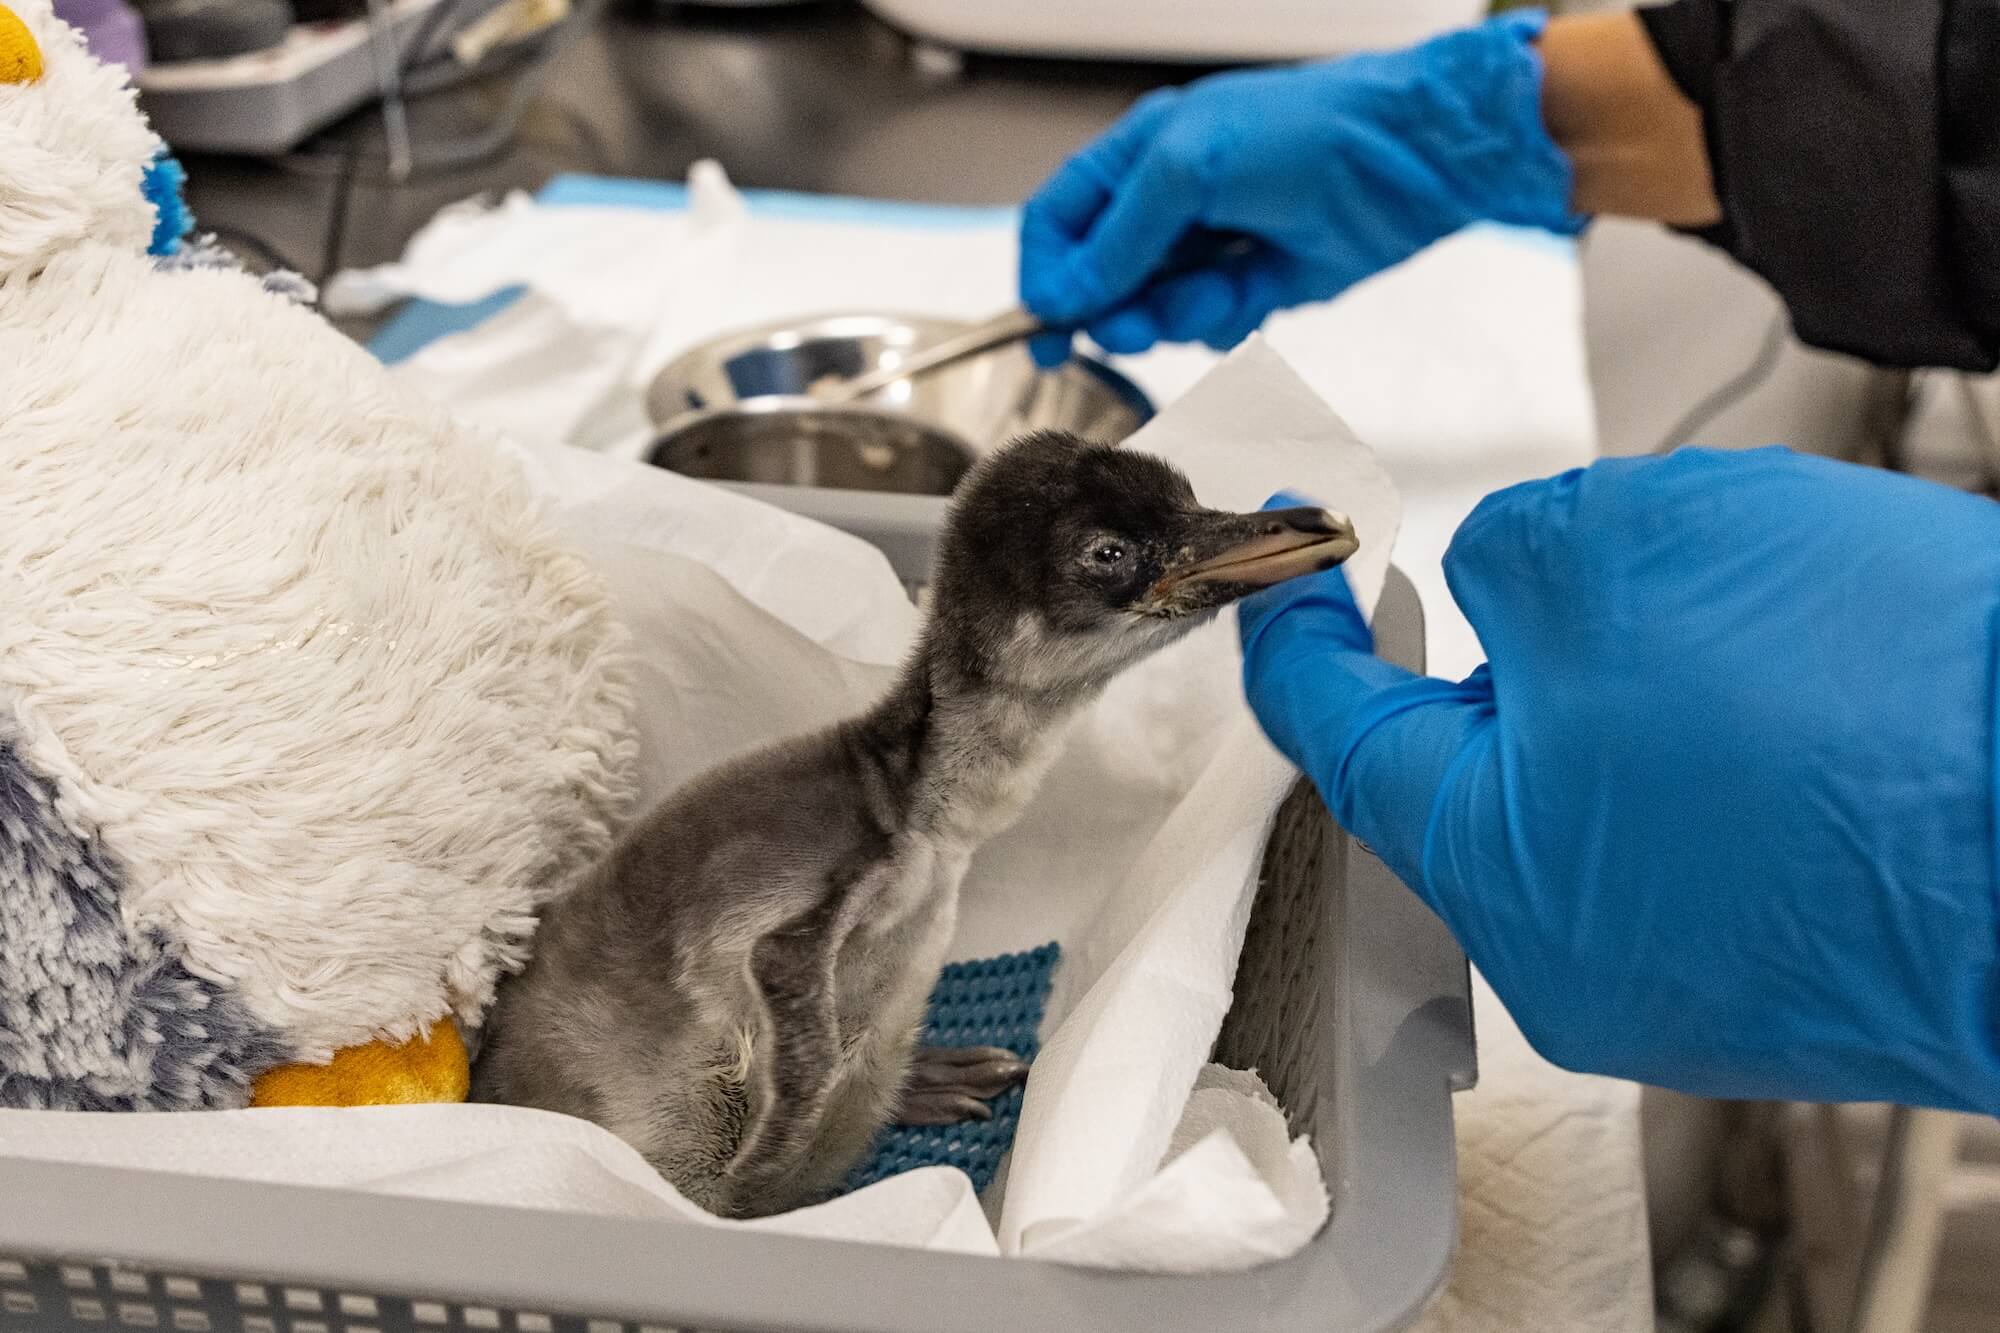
(1217, 31)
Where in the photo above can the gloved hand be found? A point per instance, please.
(1206, 208)
(1719, 812)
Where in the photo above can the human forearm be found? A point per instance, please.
(1634, 140)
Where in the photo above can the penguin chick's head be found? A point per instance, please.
(1063, 561)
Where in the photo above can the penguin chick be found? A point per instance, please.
(737, 991)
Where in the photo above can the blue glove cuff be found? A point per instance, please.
(1395, 765)
(1379, 743)
(1531, 182)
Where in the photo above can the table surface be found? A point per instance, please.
(817, 96)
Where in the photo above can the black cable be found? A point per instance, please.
(346, 166)
(419, 49)
(346, 163)
(536, 52)
(336, 223)
(588, 138)
(1739, 387)
(350, 161)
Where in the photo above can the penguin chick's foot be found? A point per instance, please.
(950, 1084)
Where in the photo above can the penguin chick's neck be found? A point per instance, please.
(962, 744)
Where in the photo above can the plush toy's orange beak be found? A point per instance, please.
(430, 1068)
(20, 58)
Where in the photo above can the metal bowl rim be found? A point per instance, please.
(726, 347)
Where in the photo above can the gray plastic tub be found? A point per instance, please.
(1352, 1000)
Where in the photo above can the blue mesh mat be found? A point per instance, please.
(987, 1002)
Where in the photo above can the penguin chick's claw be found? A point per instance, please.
(949, 1084)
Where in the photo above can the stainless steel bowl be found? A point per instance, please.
(782, 442)
(737, 408)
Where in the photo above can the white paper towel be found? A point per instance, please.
(1158, 954)
(502, 1155)
(753, 624)
(1231, 1155)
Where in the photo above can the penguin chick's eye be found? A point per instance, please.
(1107, 555)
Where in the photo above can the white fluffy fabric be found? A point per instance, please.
(72, 149)
(306, 653)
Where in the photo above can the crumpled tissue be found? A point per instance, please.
(1140, 854)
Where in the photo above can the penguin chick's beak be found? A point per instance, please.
(1245, 551)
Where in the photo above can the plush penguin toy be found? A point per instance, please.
(305, 708)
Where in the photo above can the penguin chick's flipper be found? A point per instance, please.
(789, 1089)
(950, 1084)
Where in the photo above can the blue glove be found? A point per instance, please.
(1206, 208)
(1719, 812)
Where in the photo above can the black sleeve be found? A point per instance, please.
(1856, 150)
